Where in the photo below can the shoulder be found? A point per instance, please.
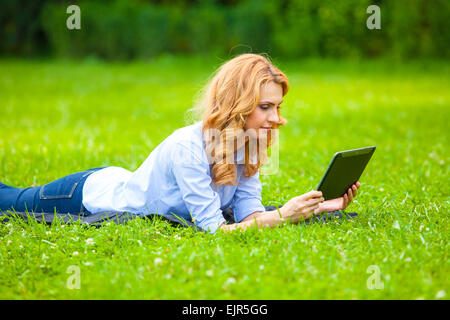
(186, 145)
(189, 135)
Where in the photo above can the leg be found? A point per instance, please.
(61, 196)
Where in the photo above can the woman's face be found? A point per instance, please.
(265, 114)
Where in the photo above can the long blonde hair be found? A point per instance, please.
(228, 99)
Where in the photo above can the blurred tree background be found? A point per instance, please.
(130, 29)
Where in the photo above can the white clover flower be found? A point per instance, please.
(408, 259)
(48, 233)
(230, 280)
(261, 267)
(75, 253)
(396, 225)
(209, 273)
(93, 251)
(90, 241)
(157, 261)
(440, 294)
(9, 242)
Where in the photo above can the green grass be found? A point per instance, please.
(61, 117)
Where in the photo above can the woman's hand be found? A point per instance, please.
(297, 209)
(301, 207)
(339, 203)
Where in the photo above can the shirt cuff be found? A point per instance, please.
(251, 206)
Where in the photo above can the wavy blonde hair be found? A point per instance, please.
(227, 100)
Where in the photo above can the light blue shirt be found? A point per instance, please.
(175, 179)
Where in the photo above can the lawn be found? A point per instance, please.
(61, 117)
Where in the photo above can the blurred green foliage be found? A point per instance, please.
(127, 29)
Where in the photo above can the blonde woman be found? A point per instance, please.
(200, 170)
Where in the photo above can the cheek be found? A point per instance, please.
(255, 119)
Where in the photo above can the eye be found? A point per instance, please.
(267, 107)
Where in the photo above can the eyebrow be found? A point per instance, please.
(270, 102)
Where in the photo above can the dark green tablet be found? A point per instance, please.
(344, 170)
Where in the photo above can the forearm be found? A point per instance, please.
(259, 219)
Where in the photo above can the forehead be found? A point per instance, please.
(271, 92)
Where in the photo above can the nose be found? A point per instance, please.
(273, 116)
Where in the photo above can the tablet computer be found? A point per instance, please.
(344, 170)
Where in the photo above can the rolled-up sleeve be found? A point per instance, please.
(247, 198)
(201, 200)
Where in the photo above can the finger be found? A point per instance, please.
(350, 195)
(355, 190)
(358, 184)
(345, 201)
(311, 210)
(308, 209)
(313, 201)
(314, 194)
(311, 194)
(309, 205)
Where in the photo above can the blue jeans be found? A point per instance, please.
(64, 195)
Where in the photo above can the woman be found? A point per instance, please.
(199, 170)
